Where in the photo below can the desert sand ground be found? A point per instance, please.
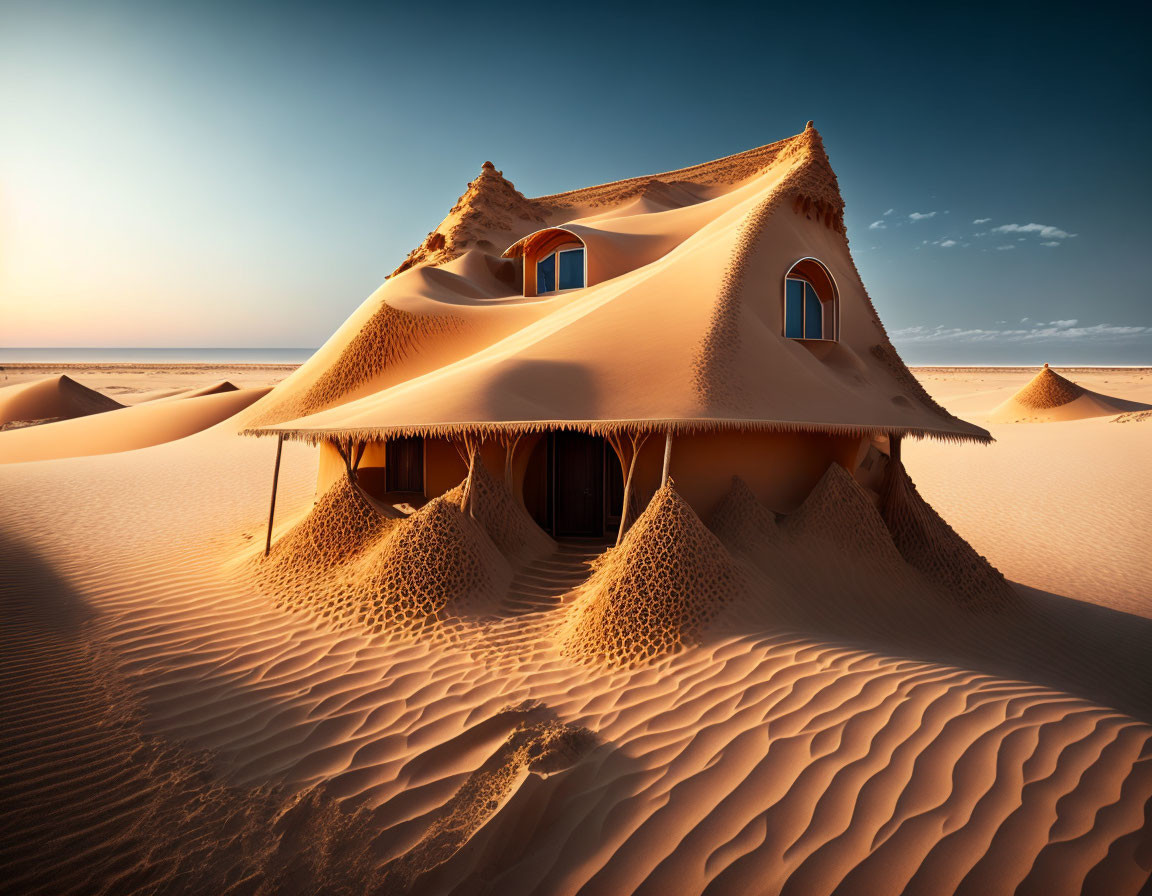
(169, 728)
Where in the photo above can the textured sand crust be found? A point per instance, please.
(348, 564)
(838, 727)
(656, 591)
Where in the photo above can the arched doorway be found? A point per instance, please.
(573, 485)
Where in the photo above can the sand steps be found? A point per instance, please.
(541, 584)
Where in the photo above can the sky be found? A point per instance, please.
(245, 174)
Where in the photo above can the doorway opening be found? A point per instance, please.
(573, 486)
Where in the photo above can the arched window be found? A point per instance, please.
(810, 302)
(555, 260)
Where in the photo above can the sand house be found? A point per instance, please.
(587, 347)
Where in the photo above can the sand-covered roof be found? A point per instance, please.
(684, 333)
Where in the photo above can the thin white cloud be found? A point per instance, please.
(981, 220)
(920, 216)
(1057, 330)
(1051, 243)
(1005, 248)
(887, 213)
(1045, 230)
(947, 244)
(878, 225)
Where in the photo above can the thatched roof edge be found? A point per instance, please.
(610, 427)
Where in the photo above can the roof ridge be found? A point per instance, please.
(644, 178)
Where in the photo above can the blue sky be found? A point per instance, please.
(245, 174)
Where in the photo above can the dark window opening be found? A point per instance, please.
(805, 312)
(560, 270)
(571, 268)
(546, 274)
(404, 464)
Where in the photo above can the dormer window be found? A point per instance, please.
(560, 270)
(810, 302)
(555, 260)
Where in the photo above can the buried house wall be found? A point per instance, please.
(780, 468)
(444, 469)
(330, 468)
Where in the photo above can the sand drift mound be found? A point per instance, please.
(839, 513)
(656, 591)
(933, 547)
(1049, 397)
(352, 566)
(846, 548)
(653, 594)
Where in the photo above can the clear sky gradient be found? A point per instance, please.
(242, 174)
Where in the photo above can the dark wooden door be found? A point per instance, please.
(404, 464)
(578, 484)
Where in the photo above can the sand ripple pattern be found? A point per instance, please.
(776, 756)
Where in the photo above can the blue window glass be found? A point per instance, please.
(813, 314)
(546, 274)
(794, 309)
(571, 269)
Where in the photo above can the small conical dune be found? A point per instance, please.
(436, 557)
(346, 563)
(53, 398)
(656, 591)
(340, 527)
(744, 524)
(1048, 390)
(505, 519)
(838, 511)
(1049, 397)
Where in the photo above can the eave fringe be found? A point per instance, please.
(607, 428)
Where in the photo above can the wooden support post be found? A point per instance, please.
(359, 457)
(472, 446)
(272, 509)
(667, 459)
(894, 447)
(346, 456)
(637, 441)
(509, 458)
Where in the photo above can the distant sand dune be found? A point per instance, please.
(171, 394)
(128, 428)
(52, 398)
(1050, 397)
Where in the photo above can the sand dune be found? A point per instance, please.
(829, 730)
(52, 398)
(170, 394)
(126, 429)
(1049, 397)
